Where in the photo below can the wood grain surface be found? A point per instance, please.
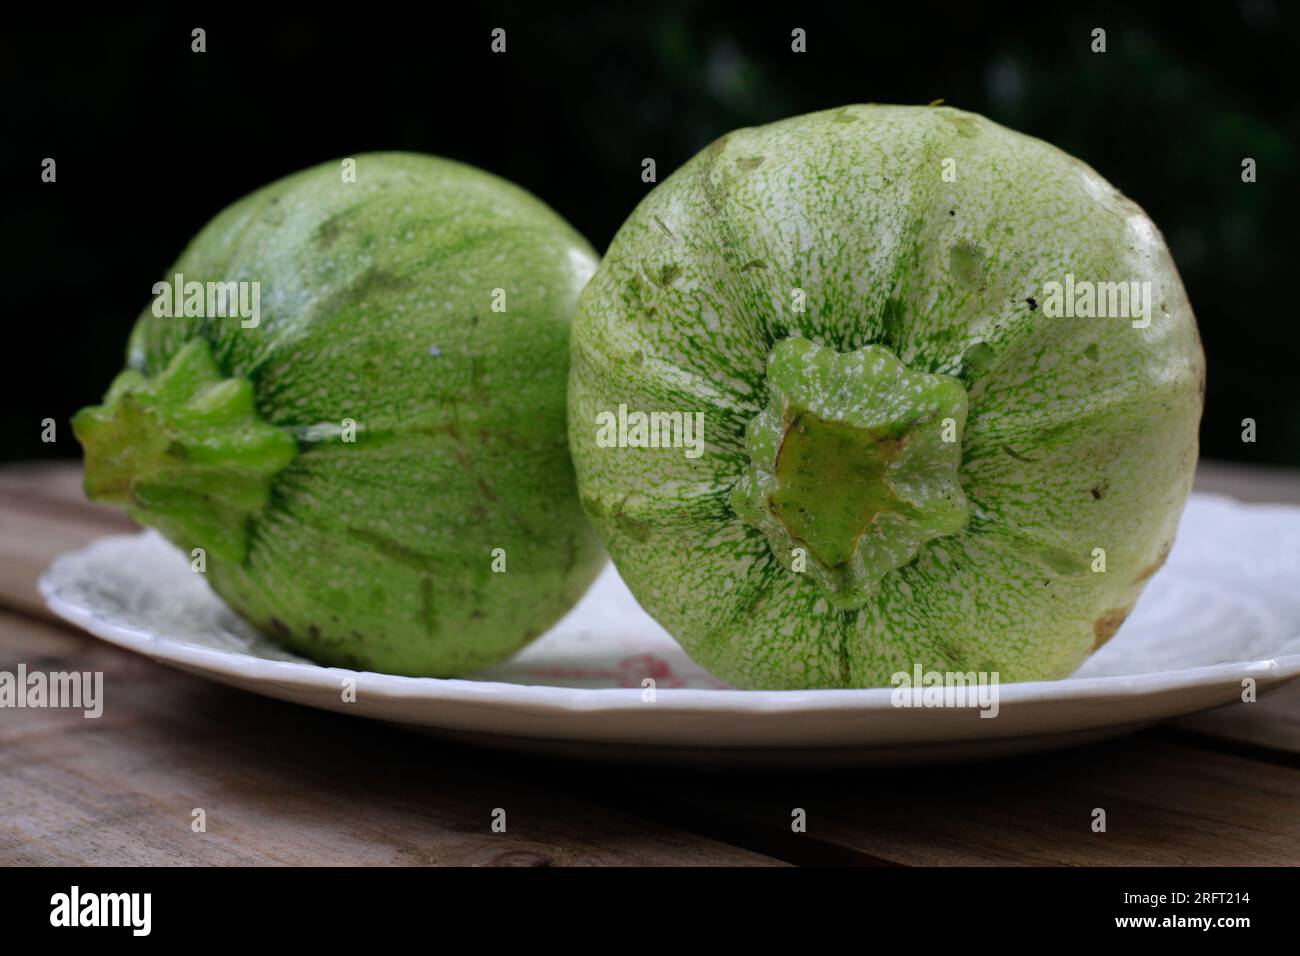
(281, 784)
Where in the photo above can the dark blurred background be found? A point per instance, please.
(152, 140)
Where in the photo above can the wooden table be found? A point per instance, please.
(289, 785)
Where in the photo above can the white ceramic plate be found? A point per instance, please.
(1226, 607)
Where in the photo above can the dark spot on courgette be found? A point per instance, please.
(1154, 566)
(1104, 628)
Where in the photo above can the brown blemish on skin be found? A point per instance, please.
(1104, 627)
(1154, 566)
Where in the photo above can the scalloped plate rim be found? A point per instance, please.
(566, 700)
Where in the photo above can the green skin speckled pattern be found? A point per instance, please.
(947, 508)
(376, 306)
